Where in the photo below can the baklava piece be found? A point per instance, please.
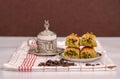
(88, 52)
(73, 40)
(72, 53)
(88, 39)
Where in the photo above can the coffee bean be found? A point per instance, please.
(92, 65)
(97, 64)
(42, 64)
(49, 61)
(62, 60)
(88, 64)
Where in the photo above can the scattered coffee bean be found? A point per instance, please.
(88, 64)
(61, 62)
(92, 64)
(97, 64)
(42, 64)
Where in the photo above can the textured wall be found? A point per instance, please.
(26, 17)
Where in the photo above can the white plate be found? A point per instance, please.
(82, 60)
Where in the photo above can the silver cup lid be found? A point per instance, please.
(47, 34)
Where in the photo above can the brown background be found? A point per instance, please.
(26, 17)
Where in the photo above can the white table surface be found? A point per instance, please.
(9, 44)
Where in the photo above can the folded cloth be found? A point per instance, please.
(22, 61)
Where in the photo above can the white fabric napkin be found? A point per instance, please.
(22, 61)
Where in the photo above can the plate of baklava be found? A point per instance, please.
(81, 49)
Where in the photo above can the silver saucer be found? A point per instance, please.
(59, 50)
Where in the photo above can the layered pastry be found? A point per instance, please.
(88, 39)
(72, 40)
(70, 52)
(88, 52)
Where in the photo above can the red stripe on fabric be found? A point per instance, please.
(25, 60)
(32, 63)
(25, 69)
(80, 66)
(27, 63)
(33, 60)
(28, 59)
(19, 68)
(30, 68)
(22, 68)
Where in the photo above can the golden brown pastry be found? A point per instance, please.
(88, 52)
(72, 40)
(88, 39)
(72, 52)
